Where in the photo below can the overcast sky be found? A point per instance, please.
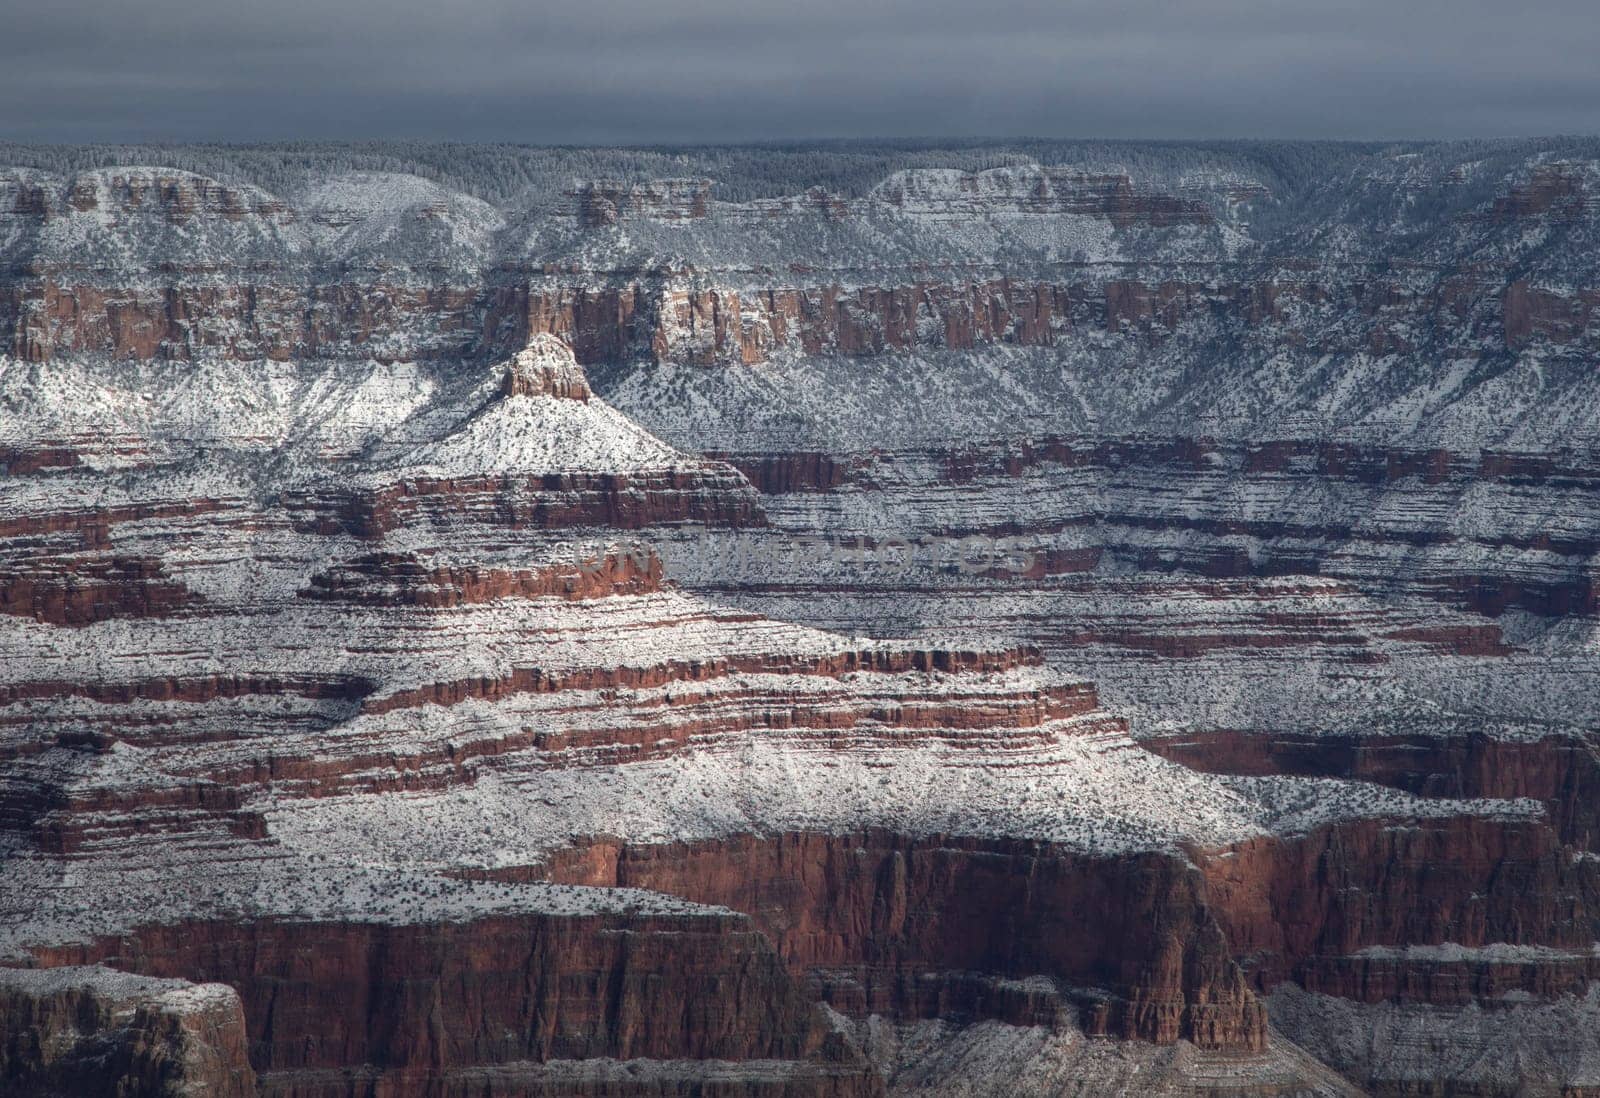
(647, 71)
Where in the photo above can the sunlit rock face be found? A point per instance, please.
(1030, 629)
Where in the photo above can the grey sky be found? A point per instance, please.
(614, 71)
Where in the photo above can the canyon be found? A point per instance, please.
(1123, 624)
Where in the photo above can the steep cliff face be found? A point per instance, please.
(142, 264)
(483, 610)
(885, 925)
(94, 1031)
(336, 1006)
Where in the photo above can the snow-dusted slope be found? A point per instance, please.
(1022, 605)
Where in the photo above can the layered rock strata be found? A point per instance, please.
(521, 728)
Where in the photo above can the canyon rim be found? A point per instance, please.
(1015, 617)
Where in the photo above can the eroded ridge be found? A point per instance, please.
(448, 648)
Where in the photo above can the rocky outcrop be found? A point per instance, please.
(545, 368)
(1553, 315)
(395, 579)
(774, 474)
(81, 589)
(1552, 192)
(607, 201)
(92, 1032)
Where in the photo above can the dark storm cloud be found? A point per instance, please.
(722, 70)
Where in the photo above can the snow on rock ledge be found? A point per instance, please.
(91, 1031)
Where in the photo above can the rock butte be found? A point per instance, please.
(1044, 630)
